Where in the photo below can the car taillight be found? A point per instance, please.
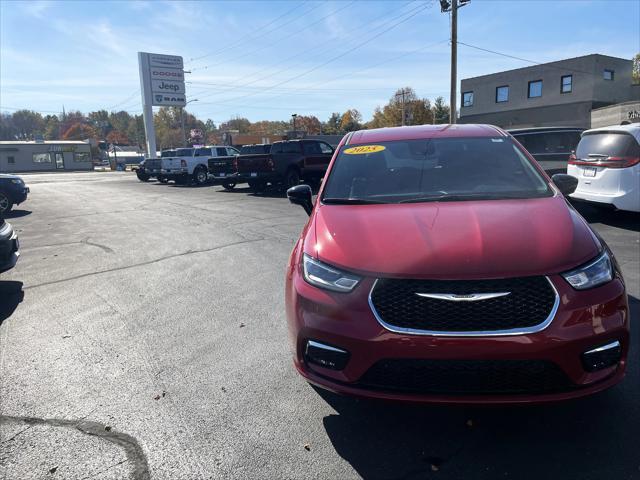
(183, 163)
(235, 163)
(270, 164)
(620, 162)
(608, 162)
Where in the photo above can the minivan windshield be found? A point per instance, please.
(441, 169)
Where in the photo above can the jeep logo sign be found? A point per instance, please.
(167, 86)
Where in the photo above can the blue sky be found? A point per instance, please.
(266, 60)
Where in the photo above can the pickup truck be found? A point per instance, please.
(287, 163)
(225, 170)
(157, 167)
(195, 168)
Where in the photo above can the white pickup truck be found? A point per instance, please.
(162, 168)
(194, 168)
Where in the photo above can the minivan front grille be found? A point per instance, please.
(465, 307)
(471, 377)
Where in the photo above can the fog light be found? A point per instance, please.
(326, 356)
(602, 357)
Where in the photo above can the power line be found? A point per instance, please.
(296, 32)
(369, 40)
(406, 15)
(136, 92)
(565, 69)
(291, 57)
(315, 7)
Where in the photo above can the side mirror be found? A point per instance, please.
(567, 184)
(301, 195)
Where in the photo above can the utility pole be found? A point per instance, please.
(293, 116)
(402, 93)
(454, 61)
(452, 6)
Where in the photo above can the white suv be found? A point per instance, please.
(607, 166)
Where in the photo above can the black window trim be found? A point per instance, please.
(529, 88)
(562, 84)
(472, 99)
(497, 88)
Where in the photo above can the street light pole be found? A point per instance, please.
(184, 135)
(293, 116)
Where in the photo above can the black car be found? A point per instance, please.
(9, 246)
(551, 146)
(13, 191)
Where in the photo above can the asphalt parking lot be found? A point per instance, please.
(142, 335)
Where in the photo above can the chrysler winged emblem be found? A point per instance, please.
(469, 297)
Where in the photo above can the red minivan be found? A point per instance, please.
(441, 264)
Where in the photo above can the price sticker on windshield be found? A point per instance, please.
(364, 149)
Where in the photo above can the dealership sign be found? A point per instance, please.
(162, 85)
(162, 79)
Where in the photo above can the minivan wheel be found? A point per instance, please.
(229, 185)
(142, 175)
(163, 179)
(200, 176)
(5, 204)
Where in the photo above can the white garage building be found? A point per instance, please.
(44, 156)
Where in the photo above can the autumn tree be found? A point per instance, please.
(117, 137)
(351, 120)
(635, 72)
(310, 124)
(80, 131)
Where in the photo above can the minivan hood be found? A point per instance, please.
(453, 240)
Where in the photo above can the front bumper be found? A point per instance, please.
(10, 251)
(584, 320)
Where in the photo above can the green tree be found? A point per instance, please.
(51, 127)
(440, 111)
(241, 124)
(635, 72)
(332, 126)
(27, 123)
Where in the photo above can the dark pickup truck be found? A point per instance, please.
(286, 164)
(225, 170)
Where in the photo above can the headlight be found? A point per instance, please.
(324, 276)
(16, 181)
(592, 274)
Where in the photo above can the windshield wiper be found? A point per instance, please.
(438, 198)
(455, 198)
(351, 201)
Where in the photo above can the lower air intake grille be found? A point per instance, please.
(478, 377)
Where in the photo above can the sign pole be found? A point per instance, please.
(147, 108)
